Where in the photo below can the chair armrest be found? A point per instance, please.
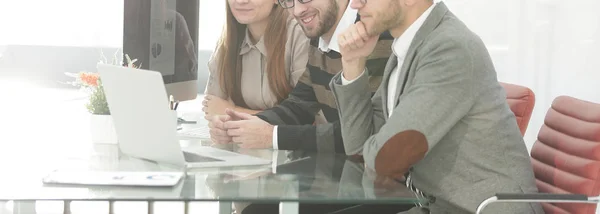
(541, 196)
(537, 198)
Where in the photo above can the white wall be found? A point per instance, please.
(42, 39)
(85, 23)
(552, 47)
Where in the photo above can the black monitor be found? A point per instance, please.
(163, 36)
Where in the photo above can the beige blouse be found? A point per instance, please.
(255, 84)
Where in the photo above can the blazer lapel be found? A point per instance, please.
(389, 67)
(434, 19)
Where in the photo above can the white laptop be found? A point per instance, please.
(146, 127)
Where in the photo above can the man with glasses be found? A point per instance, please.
(308, 119)
(440, 115)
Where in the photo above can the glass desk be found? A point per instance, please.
(304, 178)
(58, 137)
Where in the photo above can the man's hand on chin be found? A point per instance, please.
(355, 46)
(249, 131)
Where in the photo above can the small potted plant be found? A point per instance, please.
(101, 123)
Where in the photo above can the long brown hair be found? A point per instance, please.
(230, 63)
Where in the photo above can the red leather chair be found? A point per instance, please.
(521, 101)
(566, 159)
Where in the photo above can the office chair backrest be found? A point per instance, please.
(566, 157)
(521, 101)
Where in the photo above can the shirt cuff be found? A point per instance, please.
(346, 82)
(274, 163)
(275, 138)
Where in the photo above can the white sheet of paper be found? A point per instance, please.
(113, 178)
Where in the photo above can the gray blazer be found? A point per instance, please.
(449, 97)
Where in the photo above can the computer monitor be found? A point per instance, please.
(163, 36)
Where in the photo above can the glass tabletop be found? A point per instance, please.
(298, 177)
(56, 136)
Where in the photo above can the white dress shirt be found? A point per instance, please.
(400, 49)
(348, 19)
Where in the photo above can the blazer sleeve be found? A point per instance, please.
(294, 118)
(440, 95)
(361, 115)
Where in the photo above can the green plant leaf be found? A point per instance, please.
(97, 103)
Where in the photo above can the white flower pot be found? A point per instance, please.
(103, 129)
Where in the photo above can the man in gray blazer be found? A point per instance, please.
(440, 116)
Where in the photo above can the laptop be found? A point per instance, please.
(146, 127)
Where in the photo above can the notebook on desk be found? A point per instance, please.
(108, 178)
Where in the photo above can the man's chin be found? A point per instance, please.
(311, 34)
(375, 31)
(371, 30)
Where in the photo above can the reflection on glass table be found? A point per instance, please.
(313, 178)
(297, 178)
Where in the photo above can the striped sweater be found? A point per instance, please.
(295, 116)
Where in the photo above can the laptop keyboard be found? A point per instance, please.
(196, 158)
(202, 132)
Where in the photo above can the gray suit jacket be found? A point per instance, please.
(449, 97)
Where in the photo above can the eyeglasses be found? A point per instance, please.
(286, 4)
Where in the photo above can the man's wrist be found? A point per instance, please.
(352, 69)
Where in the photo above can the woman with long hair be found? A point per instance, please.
(259, 58)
